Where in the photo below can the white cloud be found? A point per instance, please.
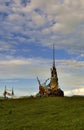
(15, 17)
(79, 91)
(22, 68)
(71, 74)
(4, 46)
(38, 19)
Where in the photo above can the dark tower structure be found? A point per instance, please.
(55, 90)
(54, 78)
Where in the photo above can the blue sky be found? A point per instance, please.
(28, 29)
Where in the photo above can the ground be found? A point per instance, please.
(45, 113)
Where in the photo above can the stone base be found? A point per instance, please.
(57, 93)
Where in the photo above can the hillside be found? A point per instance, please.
(52, 113)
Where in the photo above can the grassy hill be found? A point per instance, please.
(48, 113)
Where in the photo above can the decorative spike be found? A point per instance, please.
(53, 56)
(12, 92)
(54, 78)
(5, 87)
(38, 81)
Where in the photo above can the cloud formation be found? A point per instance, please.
(72, 70)
(79, 91)
(57, 21)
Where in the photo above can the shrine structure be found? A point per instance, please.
(52, 89)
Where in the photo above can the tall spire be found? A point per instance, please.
(53, 56)
(54, 78)
(12, 92)
(5, 88)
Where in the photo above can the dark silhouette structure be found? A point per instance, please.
(52, 89)
(55, 90)
(7, 93)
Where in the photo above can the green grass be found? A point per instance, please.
(48, 113)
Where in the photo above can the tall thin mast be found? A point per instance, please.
(53, 56)
(12, 92)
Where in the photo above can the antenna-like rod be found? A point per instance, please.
(5, 88)
(53, 56)
(12, 92)
(38, 81)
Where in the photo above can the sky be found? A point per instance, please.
(28, 29)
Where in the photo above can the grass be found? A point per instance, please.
(48, 113)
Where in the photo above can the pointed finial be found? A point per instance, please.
(5, 87)
(53, 56)
(12, 92)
